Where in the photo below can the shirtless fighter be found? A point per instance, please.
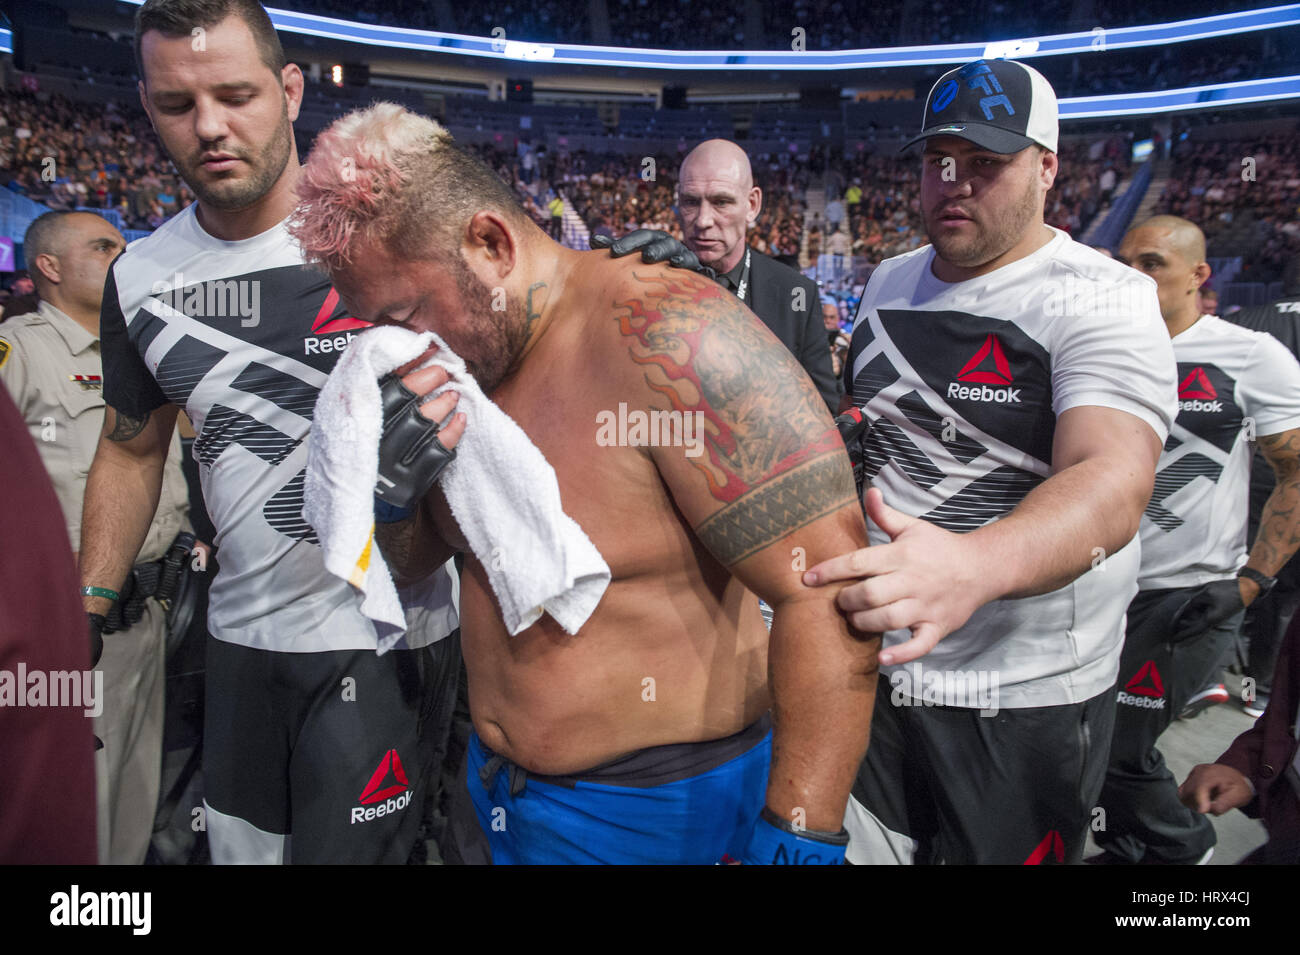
(644, 738)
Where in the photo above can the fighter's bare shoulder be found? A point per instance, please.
(768, 443)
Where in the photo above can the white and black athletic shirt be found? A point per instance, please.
(1233, 385)
(242, 335)
(962, 383)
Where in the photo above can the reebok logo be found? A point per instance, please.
(1145, 690)
(1195, 393)
(322, 324)
(1052, 845)
(386, 793)
(988, 366)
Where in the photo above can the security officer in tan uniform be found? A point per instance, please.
(49, 360)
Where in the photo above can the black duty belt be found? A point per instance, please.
(159, 579)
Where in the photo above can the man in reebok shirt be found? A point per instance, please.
(1019, 386)
(316, 748)
(1235, 386)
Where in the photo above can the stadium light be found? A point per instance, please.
(1099, 39)
(1241, 93)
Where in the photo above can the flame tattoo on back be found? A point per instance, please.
(772, 456)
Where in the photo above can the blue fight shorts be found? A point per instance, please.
(680, 804)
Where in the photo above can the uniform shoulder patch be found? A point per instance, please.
(5, 348)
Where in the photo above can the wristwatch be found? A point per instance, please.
(1265, 582)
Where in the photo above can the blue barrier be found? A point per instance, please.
(112, 215)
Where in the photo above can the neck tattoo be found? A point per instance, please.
(533, 316)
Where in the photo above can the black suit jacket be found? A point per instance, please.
(771, 297)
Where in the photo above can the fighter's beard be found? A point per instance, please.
(499, 338)
(991, 240)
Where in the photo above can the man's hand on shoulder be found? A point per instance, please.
(655, 246)
(926, 579)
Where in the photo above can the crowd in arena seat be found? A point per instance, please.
(834, 24)
(1088, 175)
(938, 21)
(648, 23)
(73, 155)
(1245, 195)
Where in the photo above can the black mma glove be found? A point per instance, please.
(654, 246)
(1208, 606)
(853, 426)
(411, 458)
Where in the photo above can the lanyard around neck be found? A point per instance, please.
(743, 284)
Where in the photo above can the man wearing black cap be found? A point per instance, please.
(1019, 388)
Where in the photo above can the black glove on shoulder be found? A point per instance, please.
(655, 245)
(411, 458)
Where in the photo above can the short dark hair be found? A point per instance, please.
(41, 236)
(178, 18)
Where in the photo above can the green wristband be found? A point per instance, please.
(101, 592)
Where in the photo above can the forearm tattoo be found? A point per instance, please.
(126, 427)
(1279, 524)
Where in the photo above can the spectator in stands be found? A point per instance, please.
(1246, 210)
(834, 215)
(836, 337)
(556, 209)
(838, 243)
(853, 195)
(1108, 181)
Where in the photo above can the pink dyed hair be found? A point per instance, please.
(354, 186)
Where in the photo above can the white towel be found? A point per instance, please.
(501, 490)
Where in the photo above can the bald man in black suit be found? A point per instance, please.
(717, 202)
